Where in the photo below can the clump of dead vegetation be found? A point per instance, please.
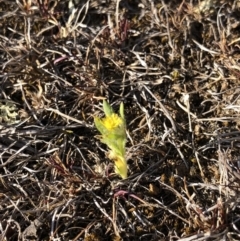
(174, 65)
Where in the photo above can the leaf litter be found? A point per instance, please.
(174, 65)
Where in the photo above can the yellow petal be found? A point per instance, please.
(111, 122)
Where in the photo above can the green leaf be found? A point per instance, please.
(117, 145)
(99, 125)
(107, 108)
(121, 110)
(120, 166)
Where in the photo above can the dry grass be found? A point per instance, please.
(175, 66)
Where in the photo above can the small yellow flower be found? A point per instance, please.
(112, 122)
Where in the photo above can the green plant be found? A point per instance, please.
(113, 133)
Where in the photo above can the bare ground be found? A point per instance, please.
(175, 66)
